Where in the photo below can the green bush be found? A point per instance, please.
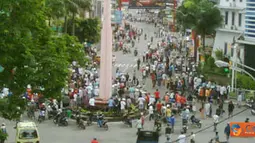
(245, 82)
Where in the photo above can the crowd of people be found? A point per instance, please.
(184, 88)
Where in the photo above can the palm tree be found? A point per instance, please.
(201, 16)
(74, 7)
(54, 9)
(64, 8)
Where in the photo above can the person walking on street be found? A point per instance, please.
(215, 122)
(230, 109)
(139, 125)
(4, 132)
(172, 121)
(182, 138)
(227, 132)
(151, 112)
(217, 138)
(138, 64)
(192, 137)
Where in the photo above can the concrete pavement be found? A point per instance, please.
(118, 132)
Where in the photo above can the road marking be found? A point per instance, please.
(134, 65)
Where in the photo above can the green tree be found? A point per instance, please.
(89, 30)
(32, 54)
(202, 16)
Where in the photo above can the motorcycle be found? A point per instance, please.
(80, 122)
(195, 121)
(90, 119)
(52, 114)
(158, 125)
(60, 119)
(100, 120)
(127, 121)
(41, 116)
(63, 121)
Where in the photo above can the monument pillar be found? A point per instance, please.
(105, 84)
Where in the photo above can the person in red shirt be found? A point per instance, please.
(147, 99)
(153, 79)
(159, 106)
(157, 95)
(183, 101)
(94, 141)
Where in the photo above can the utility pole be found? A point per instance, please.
(174, 16)
(233, 67)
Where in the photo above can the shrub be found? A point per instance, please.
(245, 82)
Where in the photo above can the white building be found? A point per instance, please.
(233, 26)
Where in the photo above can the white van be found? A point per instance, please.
(27, 132)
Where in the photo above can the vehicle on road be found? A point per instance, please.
(27, 132)
(147, 137)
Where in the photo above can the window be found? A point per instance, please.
(240, 19)
(225, 48)
(226, 17)
(232, 52)
(233, 18)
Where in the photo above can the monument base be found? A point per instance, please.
(101, 103)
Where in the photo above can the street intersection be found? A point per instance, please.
(120, 133)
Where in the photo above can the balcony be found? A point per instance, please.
(231, 29)
(231, 6)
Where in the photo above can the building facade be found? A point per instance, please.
(233, 26)
(239, 28)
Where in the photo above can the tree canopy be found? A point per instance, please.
(88, 30)
(199, 15)
(30, 53)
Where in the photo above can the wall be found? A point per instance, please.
(236, 21)
(237, 3)
(222, 38)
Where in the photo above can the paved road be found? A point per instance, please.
(118, 132)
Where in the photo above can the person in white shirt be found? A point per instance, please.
(96, 91)
(207, 108)
(215, 122)
(151, 112)
(123, 105)
(182, 138)
(141, 101)
(152, 100)
(75, 99)
(192, 137)
(92, 102)
(239, 99)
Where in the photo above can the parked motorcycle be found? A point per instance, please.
(90, 119)
(127, 120)
(60, 119)
(102, 123)
(195, 122)
(80, 122)
(41, 116)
